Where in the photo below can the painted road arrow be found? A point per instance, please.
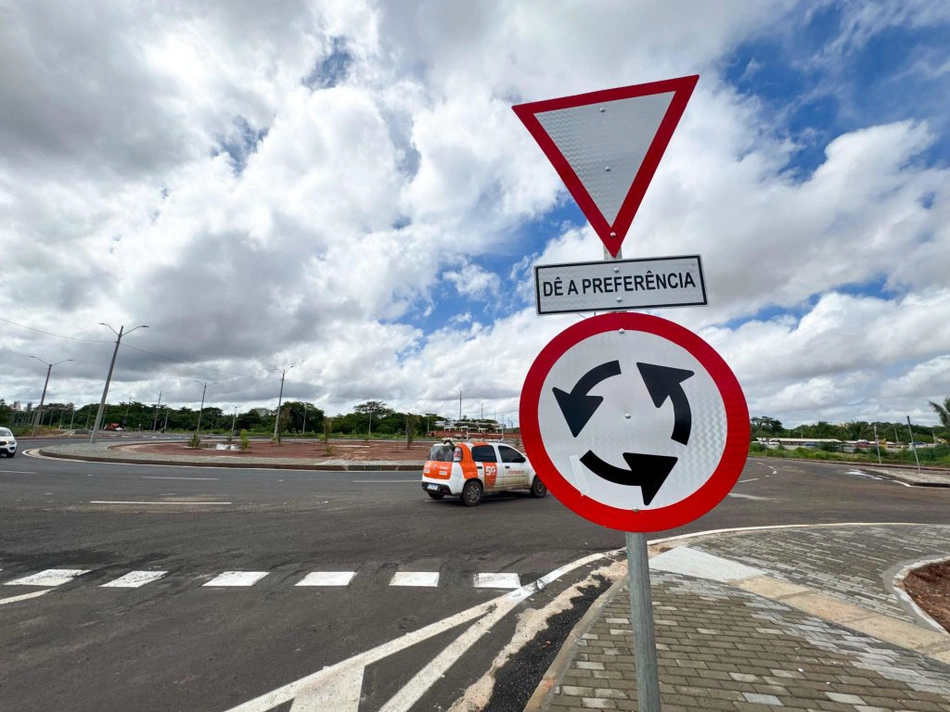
(577, 406)
(664, 382)
(648, 472)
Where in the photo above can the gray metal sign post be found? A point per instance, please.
(641, 607)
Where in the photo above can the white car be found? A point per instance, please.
(471, 469)
(7, 442)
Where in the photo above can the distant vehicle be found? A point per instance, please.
(471, 469)
(114, 426)
(7, 442)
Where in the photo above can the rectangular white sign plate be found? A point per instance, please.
(620, 284)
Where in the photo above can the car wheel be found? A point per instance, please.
(538, 488)
(435, 495)
(472, 493)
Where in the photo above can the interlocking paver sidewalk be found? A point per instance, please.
(721, 647)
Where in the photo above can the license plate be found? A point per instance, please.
(433, 487)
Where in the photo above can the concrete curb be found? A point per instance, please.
(271, 465)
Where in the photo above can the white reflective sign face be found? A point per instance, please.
(619, 284)
(627, 426)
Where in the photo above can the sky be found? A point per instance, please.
(341, 189)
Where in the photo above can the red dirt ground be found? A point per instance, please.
(357, 450)
(929, 586)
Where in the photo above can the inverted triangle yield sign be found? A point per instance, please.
(606, 146)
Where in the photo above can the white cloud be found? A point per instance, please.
(346, 213)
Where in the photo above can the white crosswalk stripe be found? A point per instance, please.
(237, 578)
(49, 577)
(415, 578)
(327, 578)
(497, 581)
(242, 579)
(134, 579)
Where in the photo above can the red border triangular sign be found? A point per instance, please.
(606, 146)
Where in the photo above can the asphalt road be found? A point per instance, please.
(175, 643)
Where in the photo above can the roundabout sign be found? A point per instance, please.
(634, 422)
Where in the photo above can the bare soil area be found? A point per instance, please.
(354, 450)
(929, 586)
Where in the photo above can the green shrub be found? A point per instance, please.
(195, 441)
(245, 441)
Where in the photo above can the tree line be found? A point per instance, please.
(296, 418)
(768, 427)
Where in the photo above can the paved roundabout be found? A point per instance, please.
(440, 639)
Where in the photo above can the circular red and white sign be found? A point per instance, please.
(634, 422)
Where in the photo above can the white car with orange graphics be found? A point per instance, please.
(472, 469)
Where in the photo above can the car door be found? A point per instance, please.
(514, 467)
(486, 464)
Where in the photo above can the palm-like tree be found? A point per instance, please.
(943, 412)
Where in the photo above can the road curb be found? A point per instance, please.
(348, 467)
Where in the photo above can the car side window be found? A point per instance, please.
(484, 453)
(509, 454)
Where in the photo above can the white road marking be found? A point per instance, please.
(751, 479)
(237, 578)
(497, 581)
(195, 479)
(134, 579)
(494, 609)
(105, 501)
(327, 578)
(16, 472)
(24, 597)
(749, 496)
(50, 577)
(858, 473)
(341, 694)
(415, 578)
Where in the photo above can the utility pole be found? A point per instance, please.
(204, 387)
(158, 407)
(877, 444)
(304, 419)
(105, 391)
(913, 446)
(72, 416)
(280, 399)
(165, 426)
(233, 421)
(128, 404)
(39, 411)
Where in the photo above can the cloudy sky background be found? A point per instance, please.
(342, 187)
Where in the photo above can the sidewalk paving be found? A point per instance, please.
(785, 619)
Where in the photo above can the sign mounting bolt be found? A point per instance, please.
(627, 416)
(602, 110)
(607, 169)
(621, 331)
(613, 234)
(619, 299)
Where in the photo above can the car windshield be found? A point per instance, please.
(442, 453)
(6, 432)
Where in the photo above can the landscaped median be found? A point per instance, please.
(347, 455)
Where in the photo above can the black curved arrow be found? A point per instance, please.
(577, 406)
(664, 382)
(648, 472)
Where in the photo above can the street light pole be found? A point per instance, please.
(105, 391)
(280, 399)
(233, 421)
(39, 411)
(304, 418)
